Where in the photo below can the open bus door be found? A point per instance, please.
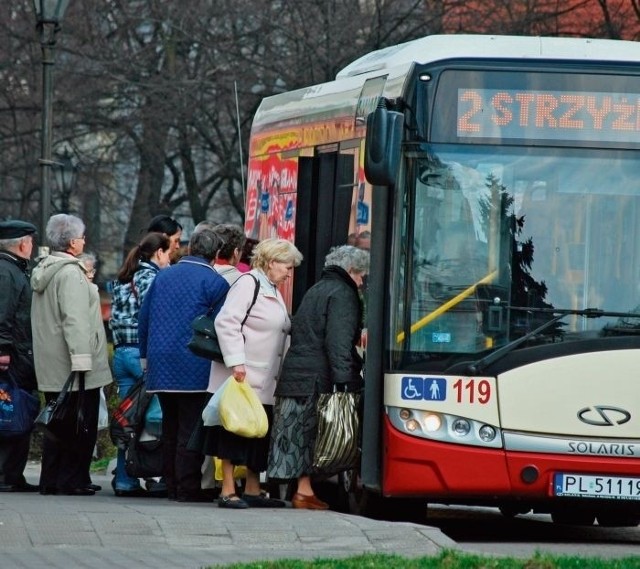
(325, 194)
(362, 490)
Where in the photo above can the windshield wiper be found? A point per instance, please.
(478, 366)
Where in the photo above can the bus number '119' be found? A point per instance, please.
(472, 391)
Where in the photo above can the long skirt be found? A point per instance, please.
(293, 438)
(241, 451)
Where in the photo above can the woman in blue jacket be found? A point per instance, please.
(178, 294)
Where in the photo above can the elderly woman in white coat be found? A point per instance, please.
(252, 352)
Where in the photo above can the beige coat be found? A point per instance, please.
(68, 333)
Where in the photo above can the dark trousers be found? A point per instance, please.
(14, 453)
(66, 464)
(180, 415)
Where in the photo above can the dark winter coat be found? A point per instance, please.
(177, 295)
(324, 333)
(15, 319)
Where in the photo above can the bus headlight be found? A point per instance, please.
(444, 427)
(461, 427)
(431, 422)
(487, 433)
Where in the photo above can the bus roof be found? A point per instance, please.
(441, 47)
(339, 99)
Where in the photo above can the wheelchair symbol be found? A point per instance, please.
(410, 390)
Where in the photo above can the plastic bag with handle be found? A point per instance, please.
(241, 412)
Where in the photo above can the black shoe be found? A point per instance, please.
(48, 491)
(133, 493)
(94, 487)
(213, 493)
(157, 489)
(24, 487)
(78, 492)
(262, 501)
(232, 502)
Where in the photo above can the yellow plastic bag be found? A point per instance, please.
(241, 412)
(238, 471)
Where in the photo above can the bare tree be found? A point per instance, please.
(145, 90)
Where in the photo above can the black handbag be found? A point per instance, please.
(18, 409)
(204, 342)
(144, 459)
(61, 415)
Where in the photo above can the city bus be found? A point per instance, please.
(496, 182)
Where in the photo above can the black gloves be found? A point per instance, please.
(350, 386)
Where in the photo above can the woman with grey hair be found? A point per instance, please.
(68, 336)
(322, 357)
(176, 296)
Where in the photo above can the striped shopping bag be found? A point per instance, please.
(337, 446)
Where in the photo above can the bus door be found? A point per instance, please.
(327, 192)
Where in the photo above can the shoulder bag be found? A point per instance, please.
(204, 342)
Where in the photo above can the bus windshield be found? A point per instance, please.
(493, 241)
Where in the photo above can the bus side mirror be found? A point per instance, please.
(382, 147)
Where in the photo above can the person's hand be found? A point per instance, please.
(350, 386)
(143, 364)
(364, 336)
(4, 362)
(239, 373)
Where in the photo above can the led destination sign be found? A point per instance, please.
(548, 115)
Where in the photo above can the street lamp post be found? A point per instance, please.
(66, 167)
(49, 14)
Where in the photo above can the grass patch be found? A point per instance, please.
(446, 560)
(100, 464)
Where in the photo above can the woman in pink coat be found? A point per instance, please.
(252, 352)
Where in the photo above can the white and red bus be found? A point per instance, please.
(497, 182)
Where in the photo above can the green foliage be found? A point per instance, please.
(448, 559)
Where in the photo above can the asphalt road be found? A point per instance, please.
(486, 530)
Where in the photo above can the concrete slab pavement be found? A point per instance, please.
(105, 532)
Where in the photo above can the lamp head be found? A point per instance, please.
(50, 11)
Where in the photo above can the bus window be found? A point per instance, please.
(492, 245)
(458, 261)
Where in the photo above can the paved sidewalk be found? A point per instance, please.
(105, 532)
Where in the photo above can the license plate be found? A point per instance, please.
(589, 486)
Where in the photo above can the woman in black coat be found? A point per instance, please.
(322, 356)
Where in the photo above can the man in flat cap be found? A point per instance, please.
(16, 353)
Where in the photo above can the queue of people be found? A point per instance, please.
(287, 363)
